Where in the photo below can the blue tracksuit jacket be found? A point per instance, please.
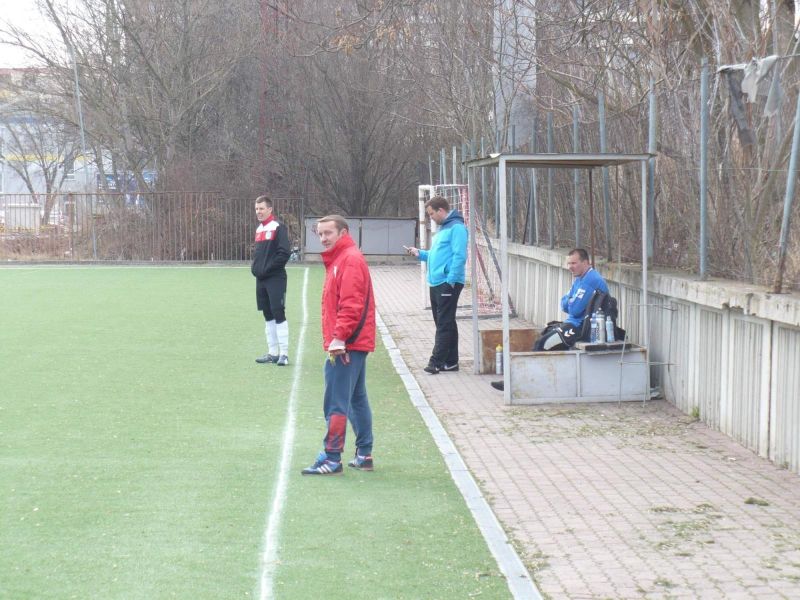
(575, 301)
(448, 254)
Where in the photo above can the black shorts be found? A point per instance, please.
(271, 296)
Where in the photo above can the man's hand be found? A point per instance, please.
(412, 251)
(336, 347)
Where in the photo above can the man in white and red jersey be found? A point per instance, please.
(270, 256)
(348, 336)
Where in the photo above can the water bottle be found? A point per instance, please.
(498, 360)
(594, 334)
(601, 327)
(609, 330)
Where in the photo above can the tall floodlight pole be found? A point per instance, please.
(83, 147)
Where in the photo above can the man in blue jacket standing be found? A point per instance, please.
(446, 260)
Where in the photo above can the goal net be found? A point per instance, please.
(486, 278)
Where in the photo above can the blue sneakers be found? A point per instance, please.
(323, 466)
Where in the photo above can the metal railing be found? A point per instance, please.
(157, 226)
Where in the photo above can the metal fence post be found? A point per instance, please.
(550, 217)
(601, 108)
(791, 176)
(703, 167)
(512, 186)
(483, 182)
(534, 198)
(455, 162)
(651, 171)
(576, 176)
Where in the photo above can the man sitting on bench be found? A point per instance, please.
(559, 336)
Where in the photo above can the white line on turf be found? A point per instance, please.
(269, 555)
(517, 577)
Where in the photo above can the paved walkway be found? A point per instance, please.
(606, 500)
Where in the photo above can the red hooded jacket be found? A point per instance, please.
(348, 303)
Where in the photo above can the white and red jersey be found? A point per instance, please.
(272, 249)
(267, 230)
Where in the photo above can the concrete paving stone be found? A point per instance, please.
(600, 471)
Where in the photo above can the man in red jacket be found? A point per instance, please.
(348, 334)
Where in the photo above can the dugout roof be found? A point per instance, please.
(558, 161)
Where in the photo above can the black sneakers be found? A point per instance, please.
(498, 385)
(282, 361)
(434, 369)
(266, 359)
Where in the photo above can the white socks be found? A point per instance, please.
(282, 337)
(271, 331)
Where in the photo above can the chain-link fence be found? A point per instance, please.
(748, 158)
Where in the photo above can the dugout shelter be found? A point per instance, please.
(500, 163)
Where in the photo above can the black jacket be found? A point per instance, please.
(272, 250)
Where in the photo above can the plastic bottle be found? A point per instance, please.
(594, 331)
(601, 327)
(609, 330)
(498, 360)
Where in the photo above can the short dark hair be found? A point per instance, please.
(264, 200)
(581, 252)
(437, 203)
(338, 220)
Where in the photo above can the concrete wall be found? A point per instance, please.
(732, 351)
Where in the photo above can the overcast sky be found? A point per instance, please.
(24, 14)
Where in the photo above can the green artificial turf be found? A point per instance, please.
(139, 447)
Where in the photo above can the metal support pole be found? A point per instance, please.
(576, 177)
(473, 270)
(430, 170)
(591, 217)
(464, 157)
(443, 166)
(483, 182)
(703, 168)
(791, 177)
(455, 163)
(651, 171)
(501, 175)
(83, 150)
(601, 107)
(644, 326)
(497, 148)
(534, 223)
(512, 187)
(550, 217)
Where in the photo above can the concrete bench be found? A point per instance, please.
(587, 373)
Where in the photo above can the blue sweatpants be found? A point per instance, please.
(346, 398)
